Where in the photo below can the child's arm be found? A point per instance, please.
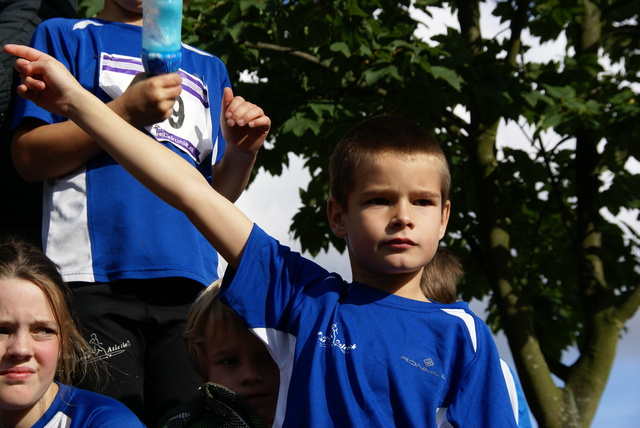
(41, 151)
(231, 175)
(47, 83)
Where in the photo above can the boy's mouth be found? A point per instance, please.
(399, 243)
(255, 398)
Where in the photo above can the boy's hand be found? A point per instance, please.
(45, 81)
(148, 100)
(244, 124)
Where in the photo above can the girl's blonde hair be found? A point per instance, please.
(226, 326)
(440, 277)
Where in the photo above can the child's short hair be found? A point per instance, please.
(24, 261)
(440, 277)
(208, 310)
(374, 137)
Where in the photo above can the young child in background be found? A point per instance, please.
(242, 380)
(440, 277)
(373, 352)
(40, 342)
(134, 263)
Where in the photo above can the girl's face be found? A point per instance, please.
(29, 349)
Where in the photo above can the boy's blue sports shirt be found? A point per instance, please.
(352, 355)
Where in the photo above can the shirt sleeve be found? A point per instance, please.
(269, 282)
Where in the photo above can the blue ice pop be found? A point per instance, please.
(161, 35)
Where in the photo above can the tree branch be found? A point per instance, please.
(290, 51)
(517, 25)
(629, 305)
(307, 57)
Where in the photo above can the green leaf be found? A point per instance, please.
(300, 125)
(341, 47)
(448, 75)
(372, 76)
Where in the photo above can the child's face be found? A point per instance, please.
(29, 347)
(247, 369)
(134, 6)
(126, 11)
(394, 218)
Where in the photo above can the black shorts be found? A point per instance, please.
(135, 328)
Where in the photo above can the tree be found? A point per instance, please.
(528, 223)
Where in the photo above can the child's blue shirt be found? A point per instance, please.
(99, 223)
(78, 408)
(353, 355)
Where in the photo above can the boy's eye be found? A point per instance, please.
(378, 201)
(423, 202)
(228, 361)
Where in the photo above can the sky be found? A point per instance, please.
(272, 201)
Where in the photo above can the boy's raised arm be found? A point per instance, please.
(48, 84)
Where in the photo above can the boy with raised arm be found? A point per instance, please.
(371, 353)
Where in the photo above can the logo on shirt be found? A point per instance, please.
(426, 362)
(332, 340)
(102, 353)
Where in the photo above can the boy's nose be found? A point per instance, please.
(251, 374)
(402, 216)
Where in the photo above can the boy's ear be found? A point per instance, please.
(336, 218)
(444, 218)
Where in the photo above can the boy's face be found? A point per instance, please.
(245, 368)
(127, 11)
(134, 6)
(395, 217)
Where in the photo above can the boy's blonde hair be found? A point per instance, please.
(208, 310)
(377, 136)
(24, 261)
